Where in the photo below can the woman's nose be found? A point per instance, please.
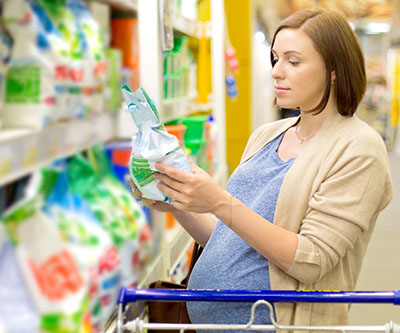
(277, 71)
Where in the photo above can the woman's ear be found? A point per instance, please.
(333, 77)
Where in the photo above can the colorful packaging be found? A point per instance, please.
(88, 242)
(17, 311)
(151, 145)
(66, 26)
(5, 52)
(30, 94)
(114, 74)
(93, 57)
(115, 208)
(50, 271)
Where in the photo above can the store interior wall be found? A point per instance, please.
(239, 18)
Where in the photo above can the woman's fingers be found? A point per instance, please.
(136, 193)
(171, 192)
(148, 202)
(174, 173)
(171, 182)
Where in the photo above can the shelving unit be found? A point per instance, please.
(22, 151)
(128, 5)
(176, 242)
(25, 151)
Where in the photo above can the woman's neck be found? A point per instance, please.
(309, 124)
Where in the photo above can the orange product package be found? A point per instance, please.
(124, 36)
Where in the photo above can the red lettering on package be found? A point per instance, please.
(109, 261)
(76, 74)
(100, 68)
(58, 276)
(61, 72)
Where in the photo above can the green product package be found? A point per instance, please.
(116, 209)
(152, 144)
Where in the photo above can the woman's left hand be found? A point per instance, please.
(197, 192)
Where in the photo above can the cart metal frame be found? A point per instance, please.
(259, 298)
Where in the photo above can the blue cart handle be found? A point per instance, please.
(130, 295)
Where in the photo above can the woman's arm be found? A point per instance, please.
(199, 226)
(198, 192)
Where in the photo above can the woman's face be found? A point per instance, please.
(299, 71)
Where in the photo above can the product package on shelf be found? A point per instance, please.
(93, 58)
(14, 294)
(196, 139)
(177, 70)
(50, 271)
(152, 144)
(77, 236)
(32, 90)
(114, 77)
(115, 208)
(57, 66)
(5, 51)
(88, 242)
(124, 37)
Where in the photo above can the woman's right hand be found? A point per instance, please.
(152, 204)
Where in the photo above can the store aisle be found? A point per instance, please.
(381, 269)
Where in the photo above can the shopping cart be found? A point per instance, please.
(260, 298)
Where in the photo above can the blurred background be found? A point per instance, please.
(71, 233)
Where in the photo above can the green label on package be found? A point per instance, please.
(23, 85)
(141, 170)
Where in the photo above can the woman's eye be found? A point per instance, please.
(274, 61)
(294, 63)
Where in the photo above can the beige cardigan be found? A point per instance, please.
(330, 198)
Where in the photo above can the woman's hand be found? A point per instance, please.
(197, 192)
(152, 204)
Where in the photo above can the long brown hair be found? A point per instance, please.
(338, 45)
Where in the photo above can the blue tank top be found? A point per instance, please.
(227, 261)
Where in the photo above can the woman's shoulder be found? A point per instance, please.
(359, 133)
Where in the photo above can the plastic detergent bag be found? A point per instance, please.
(5, 52)
(93, 57)
(17, 311)
(117, 211)
(151, 145)
(88, 242)
(56, 14)
(48, 267)
(35, 83)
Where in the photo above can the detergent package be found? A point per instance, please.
(93, 58)
(152, 144)
(48, 267)
(32, 86)
(5, 51)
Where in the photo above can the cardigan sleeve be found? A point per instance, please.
(355, 188)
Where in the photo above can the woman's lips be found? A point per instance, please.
(281, 90)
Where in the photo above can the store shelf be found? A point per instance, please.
(176, 246)
(190, 28)
(24, 151)
(174, 108)
(125, 5)
(153, 272)
(186, 26)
